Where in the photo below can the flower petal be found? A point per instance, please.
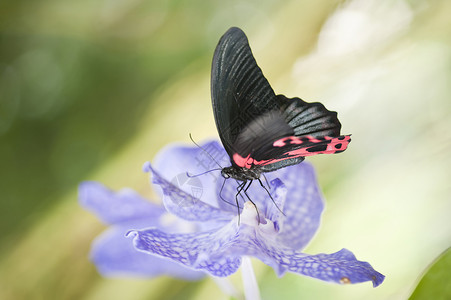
(115, 256)
(259, 240)
(201, 251)
(218, 252)
(183, 204)
(113, 208)
(340, 267)
(303, 205)
(274, 211)
(175, 161)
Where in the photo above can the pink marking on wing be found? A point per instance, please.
(244, 162)
(279, 143)
(294, 140)
(331, 149)
(247, 162)
(315, 140)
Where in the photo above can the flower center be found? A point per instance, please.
(250, 217)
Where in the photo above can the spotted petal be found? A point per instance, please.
(112, 207)
(183, 204)
(112, 252)
(219, 251)
(115, 256)
(339, 267)
(175, 161)
(201, 251)
(303, 207)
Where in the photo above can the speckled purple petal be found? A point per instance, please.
(175, 161)
(112, 252)
(218, 252)
(115, 256)
(303, 205)
(200, 251)
(116, 207)
(266, 233)
(183, 204)
(275, 211)
(340, 267)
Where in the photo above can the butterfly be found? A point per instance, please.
(261, 131)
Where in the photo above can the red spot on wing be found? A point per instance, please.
(328, 145)
(244, 162)
(294, 140)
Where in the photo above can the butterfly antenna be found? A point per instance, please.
(272, 199)
(192, 176)
(191, 138)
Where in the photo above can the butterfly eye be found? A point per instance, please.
(225, 174)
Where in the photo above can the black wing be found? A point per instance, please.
(240, 93)
(284, 137)
(309, 118)
(258, 128)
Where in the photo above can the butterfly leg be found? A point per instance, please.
(220, 193)
(269, 194)
(239, 189)
(266, 179)
(249, 198)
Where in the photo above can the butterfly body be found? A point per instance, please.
(241, 173)
(262, 131)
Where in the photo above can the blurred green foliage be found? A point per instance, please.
(436, 283)
(76, 78)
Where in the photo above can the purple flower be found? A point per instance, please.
(263, 231)
(113, 253)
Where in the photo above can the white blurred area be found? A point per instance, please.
(350, 43)
(388, 196)
(363, 26)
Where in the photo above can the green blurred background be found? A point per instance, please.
(89, 90)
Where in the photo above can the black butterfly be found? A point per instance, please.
(262, 131)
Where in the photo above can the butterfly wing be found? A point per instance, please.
(239, 91)
(281, 138)
(258, 128)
